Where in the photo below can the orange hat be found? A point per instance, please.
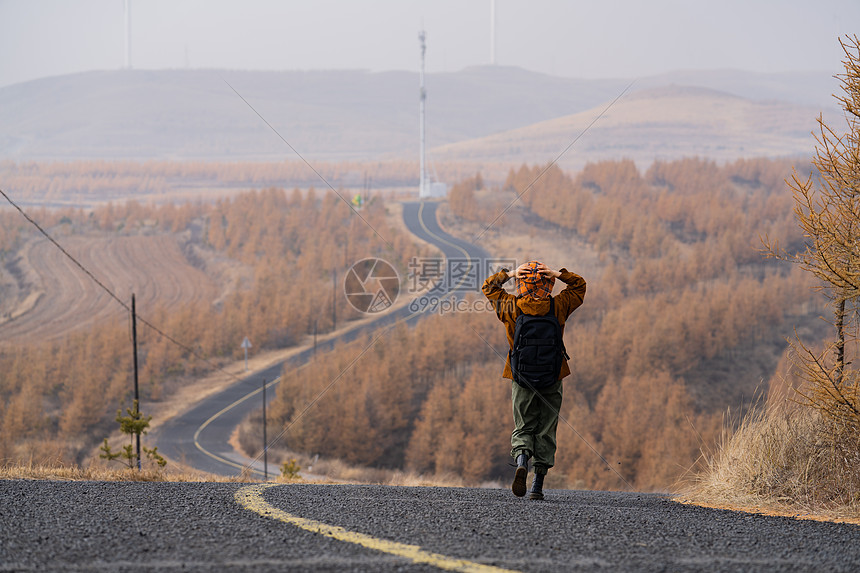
(535, 285)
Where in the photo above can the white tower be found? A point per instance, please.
(422, 95)
(426, 188)
(492, 32)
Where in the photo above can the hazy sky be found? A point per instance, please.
(577, 38)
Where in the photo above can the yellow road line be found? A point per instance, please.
(251, 498)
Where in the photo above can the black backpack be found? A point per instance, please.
(538, 350)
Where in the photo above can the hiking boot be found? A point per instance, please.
(519, 485)
(536, 492)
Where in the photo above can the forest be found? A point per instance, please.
(58, 399)
(684, 319)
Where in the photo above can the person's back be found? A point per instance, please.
(535, 410)
(538, 349)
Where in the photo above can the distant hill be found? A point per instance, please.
(658, 123)
(331, 115)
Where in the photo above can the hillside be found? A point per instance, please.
(47, 297)
(356, 115)
(661, 123)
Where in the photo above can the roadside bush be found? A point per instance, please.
(784, 456)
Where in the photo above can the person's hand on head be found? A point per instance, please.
(523, 271)
(545, 271)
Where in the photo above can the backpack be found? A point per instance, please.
(538, 349)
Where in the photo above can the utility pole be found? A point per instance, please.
(333, 299)
(265, 441)
(422, 95)
(136, 388)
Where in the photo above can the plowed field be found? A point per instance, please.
(66, 299)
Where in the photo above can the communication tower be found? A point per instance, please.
(492, 32)
(426, 189)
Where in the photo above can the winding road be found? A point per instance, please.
(200, 436)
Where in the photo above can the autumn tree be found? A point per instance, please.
(461, 198)
(827, 208)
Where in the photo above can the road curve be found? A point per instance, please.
(135, 526)
(200, 436)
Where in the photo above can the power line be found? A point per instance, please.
(65, 252)
(300, 156)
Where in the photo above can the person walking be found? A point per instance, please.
(535, 406)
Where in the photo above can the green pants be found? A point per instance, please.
(535, 421)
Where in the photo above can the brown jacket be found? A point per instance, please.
(566, 302)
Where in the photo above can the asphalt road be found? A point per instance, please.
(128, 526)
(199, 437)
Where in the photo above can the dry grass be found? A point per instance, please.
(68, 472)
(783, 459)
(325, 472)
